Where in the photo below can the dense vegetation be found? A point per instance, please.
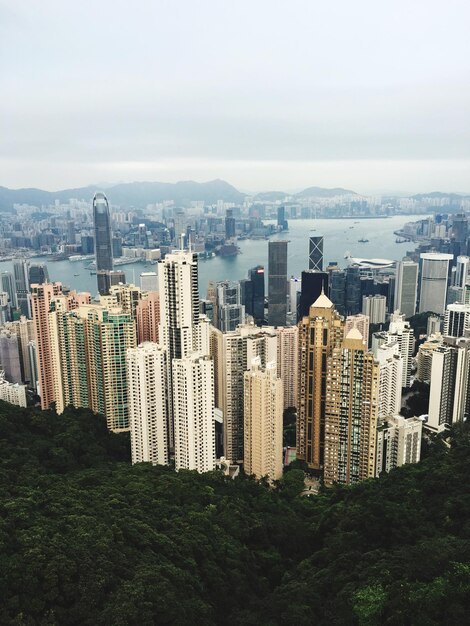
(88, 539)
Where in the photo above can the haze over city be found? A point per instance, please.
(267, 95)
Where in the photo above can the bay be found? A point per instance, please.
(340, 236)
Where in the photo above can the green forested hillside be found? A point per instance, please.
(88, 539)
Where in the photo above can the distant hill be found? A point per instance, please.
(137, 194)
(440, 194)
(322, 192)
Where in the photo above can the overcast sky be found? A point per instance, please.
(373, 95)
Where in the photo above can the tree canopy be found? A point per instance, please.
(88, 539)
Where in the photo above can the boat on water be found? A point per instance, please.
(76, 275)
(362, 240)
(398, 240)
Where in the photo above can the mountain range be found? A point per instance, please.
(139, 194)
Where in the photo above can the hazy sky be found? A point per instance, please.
(372, 95)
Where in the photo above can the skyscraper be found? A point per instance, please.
(351, 405)
(233, 354)
(375, 307)
(361, 322)
(434, 278)
(277, 283)
(390, 380)
(38, 274)
(398, 442)
(288, 363)
(103, 238)
(193, 407)
(319, 334)
(148, 403)
(41, 297)
(400, 332)
(230, 310)
(449, 400)
(313, 284)
(315, 253)
(256, 276)
(457, 320)
(406, 287)
(148, 317)
(229, 225)
(149, 281)
(263, 407)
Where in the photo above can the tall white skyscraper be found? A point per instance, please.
(448, 394)
(263, 407)
(400, 332)
(193, 406)
(462, 270)
(181, 331)
(434, 278)
(390, 379)
(148, 403)
(406, 287)
(457, 320)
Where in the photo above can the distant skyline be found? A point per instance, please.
(267, 95)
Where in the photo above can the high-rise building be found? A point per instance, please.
(148, 403)
(353, 297)
(400, 332)
(233, 354)
(103, 243)
(21, 273)
(457, 320)
(10, 356)
(434, 280)
(398, 442)
(288, 363)
(12, 392)
(281, 218)
(390, 379)
(424, 357)
(277, 283)
(148, 317)
(375, 307)
(24, 329)
(315, 253)
(181, 329)
(263, 407)
(313, 284)
(38, 274)
(109, 334)
(361, 322)
(229, 225)
(256, 276)
(433, 325)
(449, 398)
(41, 297)
(406, 287)
(351, 406)
(8, 286)
(229, 307)
(319, 334)
(193, 406)
(149, 281)
(462, 271)
(293, 290)
(338, 290)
